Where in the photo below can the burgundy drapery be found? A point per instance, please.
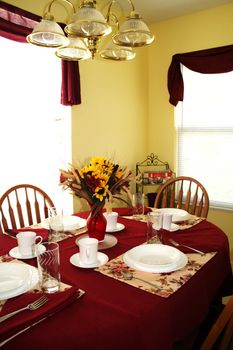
(16, 24)
(210, 61)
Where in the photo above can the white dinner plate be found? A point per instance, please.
(15, 253)
(177, 214)
(70, 223)
(23, 277)
(12, 277)
(101, 260)
(119, 227)
(155, 258)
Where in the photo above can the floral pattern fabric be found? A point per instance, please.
(165, 284)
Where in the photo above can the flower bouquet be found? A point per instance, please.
(98, 183)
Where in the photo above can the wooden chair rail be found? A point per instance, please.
(222, 327)
(23, 205)
(175, 194)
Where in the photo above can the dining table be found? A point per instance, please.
(113, 314)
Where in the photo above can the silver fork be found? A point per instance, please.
(33, 306)
(176, 244)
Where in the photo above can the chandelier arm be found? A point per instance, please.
(109, 10)
(111, 4)
(66, 1)
(132, 5)
(116, 20)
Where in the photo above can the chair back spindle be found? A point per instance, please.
(186, 193)
(22, 206)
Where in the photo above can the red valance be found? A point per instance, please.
(16, 24)
(210, 61)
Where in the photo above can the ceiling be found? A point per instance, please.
(158, 10)
(151, 10)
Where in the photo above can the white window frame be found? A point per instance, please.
(215, 161)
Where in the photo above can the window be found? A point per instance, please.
(35, 127)
(205, 133)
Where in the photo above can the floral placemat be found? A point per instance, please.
(193, 220)
(165, 284)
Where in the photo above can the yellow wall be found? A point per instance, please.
(111, 120)
(201, 30)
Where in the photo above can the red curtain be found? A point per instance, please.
(210, 61)
(16, 24)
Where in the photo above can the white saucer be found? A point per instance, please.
(119, 227)
(14, 252)
(101, 260)
(108, 242)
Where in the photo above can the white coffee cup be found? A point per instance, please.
(88, 248)
(26, 242)
(111, 218)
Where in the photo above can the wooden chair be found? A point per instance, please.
(186, 193)
(221, 332)
(22, 206)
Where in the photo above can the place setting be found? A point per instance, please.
(112, 227)
(177, 219)
(88, 255)
(158, 265)
(155, 268)
(112, 222)
(38, 291)
(26, 248)
(62, 226)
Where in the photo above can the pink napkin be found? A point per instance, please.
(55, 303)
(43, 232)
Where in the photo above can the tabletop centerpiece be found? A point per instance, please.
(98, 183)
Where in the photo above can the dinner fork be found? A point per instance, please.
(33, 306)
(176, 244)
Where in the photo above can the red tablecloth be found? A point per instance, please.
(113, 315)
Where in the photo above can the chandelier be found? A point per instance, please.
(86, 28)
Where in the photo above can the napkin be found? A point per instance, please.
(24, 319)
(43, 232)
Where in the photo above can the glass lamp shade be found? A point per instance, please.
(47, 33)
(133, 32)
(117, 53)
(88, 22)
(76, 50)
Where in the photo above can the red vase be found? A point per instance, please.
(96, 225)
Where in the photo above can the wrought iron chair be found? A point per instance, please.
(186, 193)
(23, 205)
